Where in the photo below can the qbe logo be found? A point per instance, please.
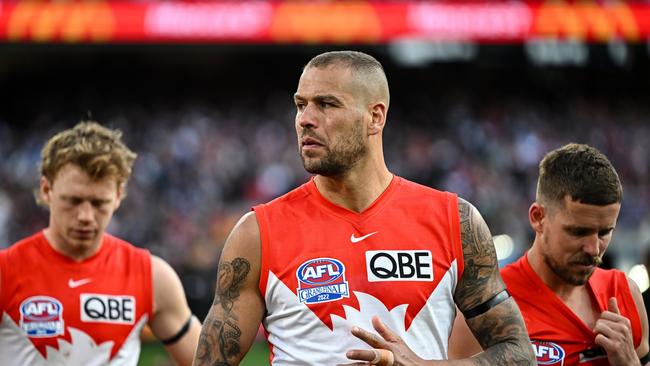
(41, 316)
(116, 309)
(399, 265)
(548, 353)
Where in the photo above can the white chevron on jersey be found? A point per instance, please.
(299, 337)
(17, 349)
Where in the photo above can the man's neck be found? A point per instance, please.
(355, 191)
(561, 288)
(77, 255)
(576, 298)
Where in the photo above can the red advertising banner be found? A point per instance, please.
(293, 22)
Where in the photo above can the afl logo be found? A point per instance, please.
(41, 316)
(321, 280)
(548, 353)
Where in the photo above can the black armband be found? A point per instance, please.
(179, 334)
(645, 359)
(492, 302)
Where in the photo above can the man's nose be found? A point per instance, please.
(591, 245)
(85, 212)
(307, 116)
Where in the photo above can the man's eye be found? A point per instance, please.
(578, 232)
(604, 232)
(75, 201)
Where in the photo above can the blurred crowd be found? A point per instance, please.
(202, 163)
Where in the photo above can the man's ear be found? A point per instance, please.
(121, 190)
(45, 190)
(536, 215)
(378, 118)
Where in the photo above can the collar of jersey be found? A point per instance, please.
(352, 216)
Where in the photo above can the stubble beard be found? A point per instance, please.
(568, 276)
(341, 158)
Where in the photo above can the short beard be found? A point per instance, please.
(566, 276)
(341, 158)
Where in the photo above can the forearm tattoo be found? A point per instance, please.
(501, 331)
(220, 336)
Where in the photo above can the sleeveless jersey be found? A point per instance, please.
(325, 269)
(558, 335)
(56, 311)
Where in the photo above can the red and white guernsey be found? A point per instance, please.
(326, 269)
(56, 311)
(558, 335)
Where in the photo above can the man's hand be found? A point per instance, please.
(614, 333)
(389, 341)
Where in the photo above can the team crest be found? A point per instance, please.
(548, 353)
(42, 316)
(321, 280)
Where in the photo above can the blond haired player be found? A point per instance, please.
(73, 294)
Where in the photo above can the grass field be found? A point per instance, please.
(153, 354)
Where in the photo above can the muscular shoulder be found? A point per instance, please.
(245, 236)
(290, 197)
(243, 247)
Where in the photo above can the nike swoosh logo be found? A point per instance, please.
(72, 283)
(354, 239)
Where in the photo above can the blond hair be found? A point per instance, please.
(97, 150)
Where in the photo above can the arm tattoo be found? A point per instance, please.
(477, 284)
(500, 331)
(219, 339)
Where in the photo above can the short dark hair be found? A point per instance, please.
(580, 171)
(358, 61)
(369, 71)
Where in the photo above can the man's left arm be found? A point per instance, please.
(490, 312)
(172, 322)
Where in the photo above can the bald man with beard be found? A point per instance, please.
(357, 247)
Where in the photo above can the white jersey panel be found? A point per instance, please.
(16, 348)
(299, 337)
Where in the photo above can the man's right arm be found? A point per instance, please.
(236, 313)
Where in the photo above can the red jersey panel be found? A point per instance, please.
(558, 335)
(56, 311)
(326, 269)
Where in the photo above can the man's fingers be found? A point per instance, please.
(371, 339)
(612, 317)
(606, 328)
(604, 342)
(379, 357)
(361, 354)
(612, 305)
(384, 330)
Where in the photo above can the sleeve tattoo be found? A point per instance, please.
(220, 336)
(501, 331)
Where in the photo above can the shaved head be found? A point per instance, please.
(368, 74)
